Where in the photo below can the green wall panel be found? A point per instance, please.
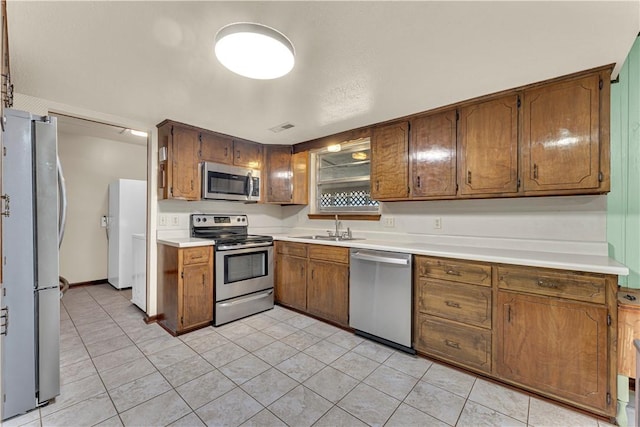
(623, 202)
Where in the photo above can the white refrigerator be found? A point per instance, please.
(127, 216)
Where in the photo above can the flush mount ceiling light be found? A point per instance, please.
(254, 50)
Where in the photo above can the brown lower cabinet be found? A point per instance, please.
(552, 332)
(313, 279)
(185, 287)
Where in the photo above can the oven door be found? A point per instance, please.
(243, 271)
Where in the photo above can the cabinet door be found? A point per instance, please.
(488, 147)
(185, 175)
(291, 281)
(197, 295)
(247, 154)
(555, 346)
(216, 148)
(433, 155)
(278, 180)
(328, 291)
(560, 138)
(300, 169)
(390, 162)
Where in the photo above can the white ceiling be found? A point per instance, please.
(357, 62)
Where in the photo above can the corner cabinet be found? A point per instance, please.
(185, 288)
(564, 146)
(553, 332)
(179, 172)
(313, 279)
(285, 177)
(389, 162)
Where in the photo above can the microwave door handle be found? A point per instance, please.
(250, 185)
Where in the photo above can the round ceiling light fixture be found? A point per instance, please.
(254, 50)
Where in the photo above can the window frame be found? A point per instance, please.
(315, 212)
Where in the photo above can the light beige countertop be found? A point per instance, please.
(558, 260)
(186, 242)
(564, 261)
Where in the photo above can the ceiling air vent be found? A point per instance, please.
(281, 127)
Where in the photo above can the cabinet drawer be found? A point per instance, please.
(463, 344)
(456, 301)
(293, 249)
(198, 255)
(475, 273)
(564, 284)
(329, 253)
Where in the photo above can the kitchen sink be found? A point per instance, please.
(328, 238)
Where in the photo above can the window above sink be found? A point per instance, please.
(341, 179)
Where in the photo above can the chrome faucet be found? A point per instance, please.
(337, 227)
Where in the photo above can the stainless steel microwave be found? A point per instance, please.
(226, 182)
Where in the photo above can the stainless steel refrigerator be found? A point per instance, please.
(31, 233)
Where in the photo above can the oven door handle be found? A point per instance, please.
(243, 246)
(251, 298)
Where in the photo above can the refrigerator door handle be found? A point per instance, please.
(62, 217)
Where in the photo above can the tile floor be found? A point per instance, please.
(276, 368)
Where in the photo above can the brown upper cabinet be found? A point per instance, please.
(183, 148)
(561, 136)
(432, 156)
(216, 148)
(179, 174)
(488, 147)
(547, 138)
(389, 162)
(278, 186)
(247, 154)
(286, 176)
(220, 148)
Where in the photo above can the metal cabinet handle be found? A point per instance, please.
(535, 171)
(549, 285)
(238, 154)
(451, 272)
(7, 209)
(468, 177)
(377, 185)
(226, 151)
(452, 304)
(452, 344)
(301, 271)
(418, 181)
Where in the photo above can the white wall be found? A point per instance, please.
(89, 165)
(558, 224)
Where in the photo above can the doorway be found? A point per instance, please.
(94, 155)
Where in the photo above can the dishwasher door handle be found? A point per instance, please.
(378, 258)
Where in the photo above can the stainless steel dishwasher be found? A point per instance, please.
(380, 296)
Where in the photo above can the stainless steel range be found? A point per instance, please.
(243, 267)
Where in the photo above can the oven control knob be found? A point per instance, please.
(197, 219)
(204, 219)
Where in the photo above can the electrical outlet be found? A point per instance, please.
(175, 220)
(389, 221)
(162, 221)
(437, 223)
